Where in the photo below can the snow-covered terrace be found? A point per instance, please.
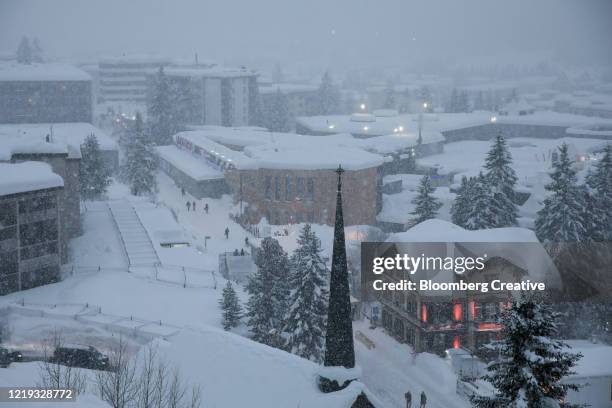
(286, 88)
(42, 72)
(27, 176)
(208, 72)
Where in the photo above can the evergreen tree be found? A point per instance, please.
(162, 121)
(562, 219)
(328, 96)
(94, 174)
(502, 179)
(277, 117)
(479, 103)
(389, 97)
(37, 52)
(141, 162)
(460, 207)
(479, 214)
(305, 326)
(230, 305)
(600, 182)
(532, 362)
(426, 205)
(425, 96)
(268, 290)
(24, 51)
(453, 103)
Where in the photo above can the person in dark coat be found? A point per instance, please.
(226, 232)
(246, 241)
(408, 397)
(241, 251)
(188, 206)
(193, 205)
(423, 399)
(182, 191)
(206, 208)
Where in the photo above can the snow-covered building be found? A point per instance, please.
(301, 98)
(31, 237)
(213, 95)
(438, 319)
(69, 134)
(289, 178)
(64, 160)
(124, 79)
(39, 93)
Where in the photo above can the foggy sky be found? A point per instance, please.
(323, 32)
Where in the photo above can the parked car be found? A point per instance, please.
(7, 357)
(80, 356)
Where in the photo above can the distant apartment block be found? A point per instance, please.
(124, 79)
(44, 93)
(213, 95)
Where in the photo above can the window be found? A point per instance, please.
(7, 214)
(287, 188)
(277, 188)
(299, 187)
(268, 187)
(310, 188)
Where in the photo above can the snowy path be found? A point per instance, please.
(136, 241)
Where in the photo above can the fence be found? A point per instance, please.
(170, 274)
(137, 328)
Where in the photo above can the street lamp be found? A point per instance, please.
(363, 106)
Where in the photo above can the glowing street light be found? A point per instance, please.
(365, 128)
(362, 106)
(401, 128)
(425, 105)
(493, 119)
(331, 126)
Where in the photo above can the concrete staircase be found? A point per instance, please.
(138, 245)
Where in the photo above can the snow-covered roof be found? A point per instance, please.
(286, 88)
(42, 72)
(27, 176)
(525, 250)
(72, 135)
(209, 72)
(187, 163)
(283, 150)
(10, 146)
(399, 141)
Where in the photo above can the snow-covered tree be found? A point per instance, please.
(532, 361)
(562, 219)
(268, 290)
(162, 121)
(479, 214)
(600, 182)
(389, 101)
(463, 103)
(501, 178)
(305, 327)
(425, 96)
(426, 205)
(460, 207)
(276, 115)
(230, 305)
(479, 103)
(328, 96)
(37, 51)
(94, 173)
(452, 103)
(24, 51)
(141, 162)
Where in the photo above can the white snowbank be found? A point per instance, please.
(187, 163)
(27, 176)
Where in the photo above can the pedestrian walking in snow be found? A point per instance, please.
(182, 191)
(246, 241)
(241, 251)
(206, 208)
(193, 206)
(408, 397)
(226, 232)
(423, 399)
(188, 206)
